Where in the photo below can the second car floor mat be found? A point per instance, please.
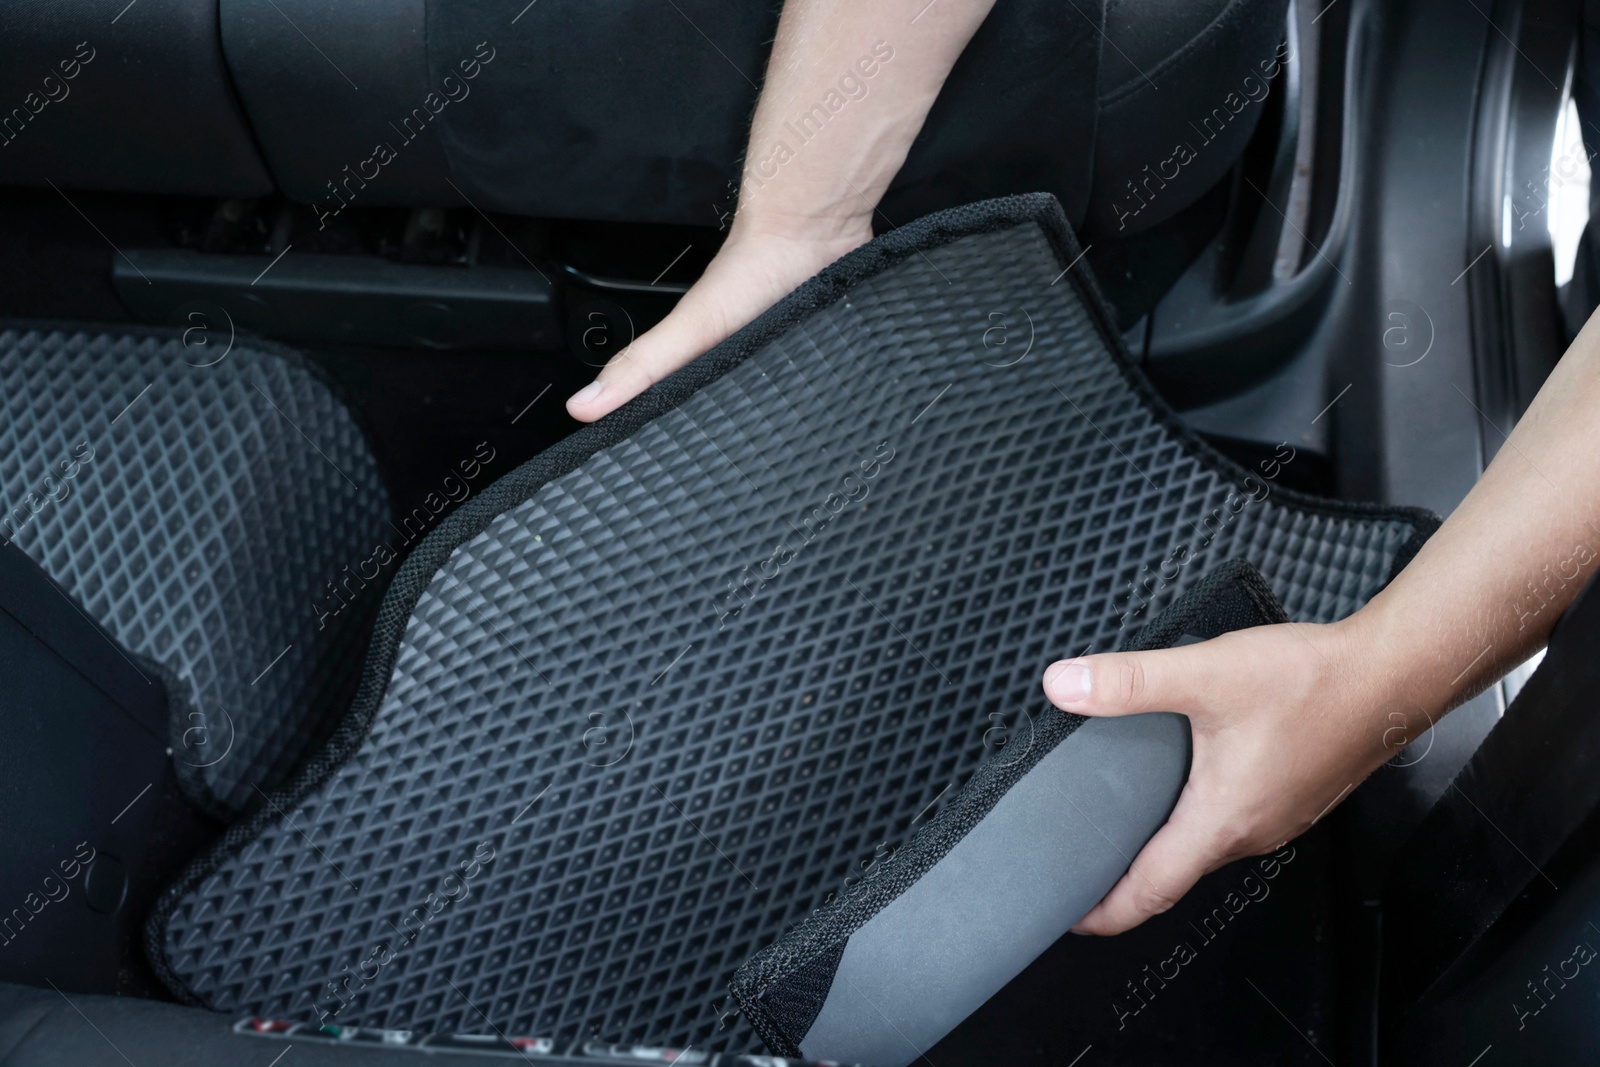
(646, 702)
(206, 500)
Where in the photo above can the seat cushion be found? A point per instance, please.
(634, 112)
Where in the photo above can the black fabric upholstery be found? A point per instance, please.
(658, 722)
(326, 83)
(1015, 115)
(148, 107)
(634, 112)
(207, 507)
(571, 127)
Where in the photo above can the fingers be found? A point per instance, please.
(657, 353)
(1179, 855)
(751, 272)
(1127, 683)
(1273, 741)
(731, 293)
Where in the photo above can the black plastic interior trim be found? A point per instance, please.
(1526, 791)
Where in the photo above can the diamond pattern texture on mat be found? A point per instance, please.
(682, 693)
(199, 528)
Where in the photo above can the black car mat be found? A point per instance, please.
(209, 501)
(1038, 835)
(642, 704)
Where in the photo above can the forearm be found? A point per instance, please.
(848, 86)
(1485, 591)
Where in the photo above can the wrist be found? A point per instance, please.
(840, 225)
(1396, 684)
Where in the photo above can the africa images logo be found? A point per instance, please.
(1254, 90)
(455, 885)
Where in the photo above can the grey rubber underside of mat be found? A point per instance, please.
(206, 509)
(1045, 854)
(1042, 857)
(676, 698)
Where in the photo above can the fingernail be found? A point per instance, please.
(588, 393)
(1068, 683)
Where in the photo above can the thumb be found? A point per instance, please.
(1128, 683)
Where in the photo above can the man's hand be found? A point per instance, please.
(1287, 720)
(1285, 725)
(808, 191)
(756, 266)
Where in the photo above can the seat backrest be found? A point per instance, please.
(137, 101)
